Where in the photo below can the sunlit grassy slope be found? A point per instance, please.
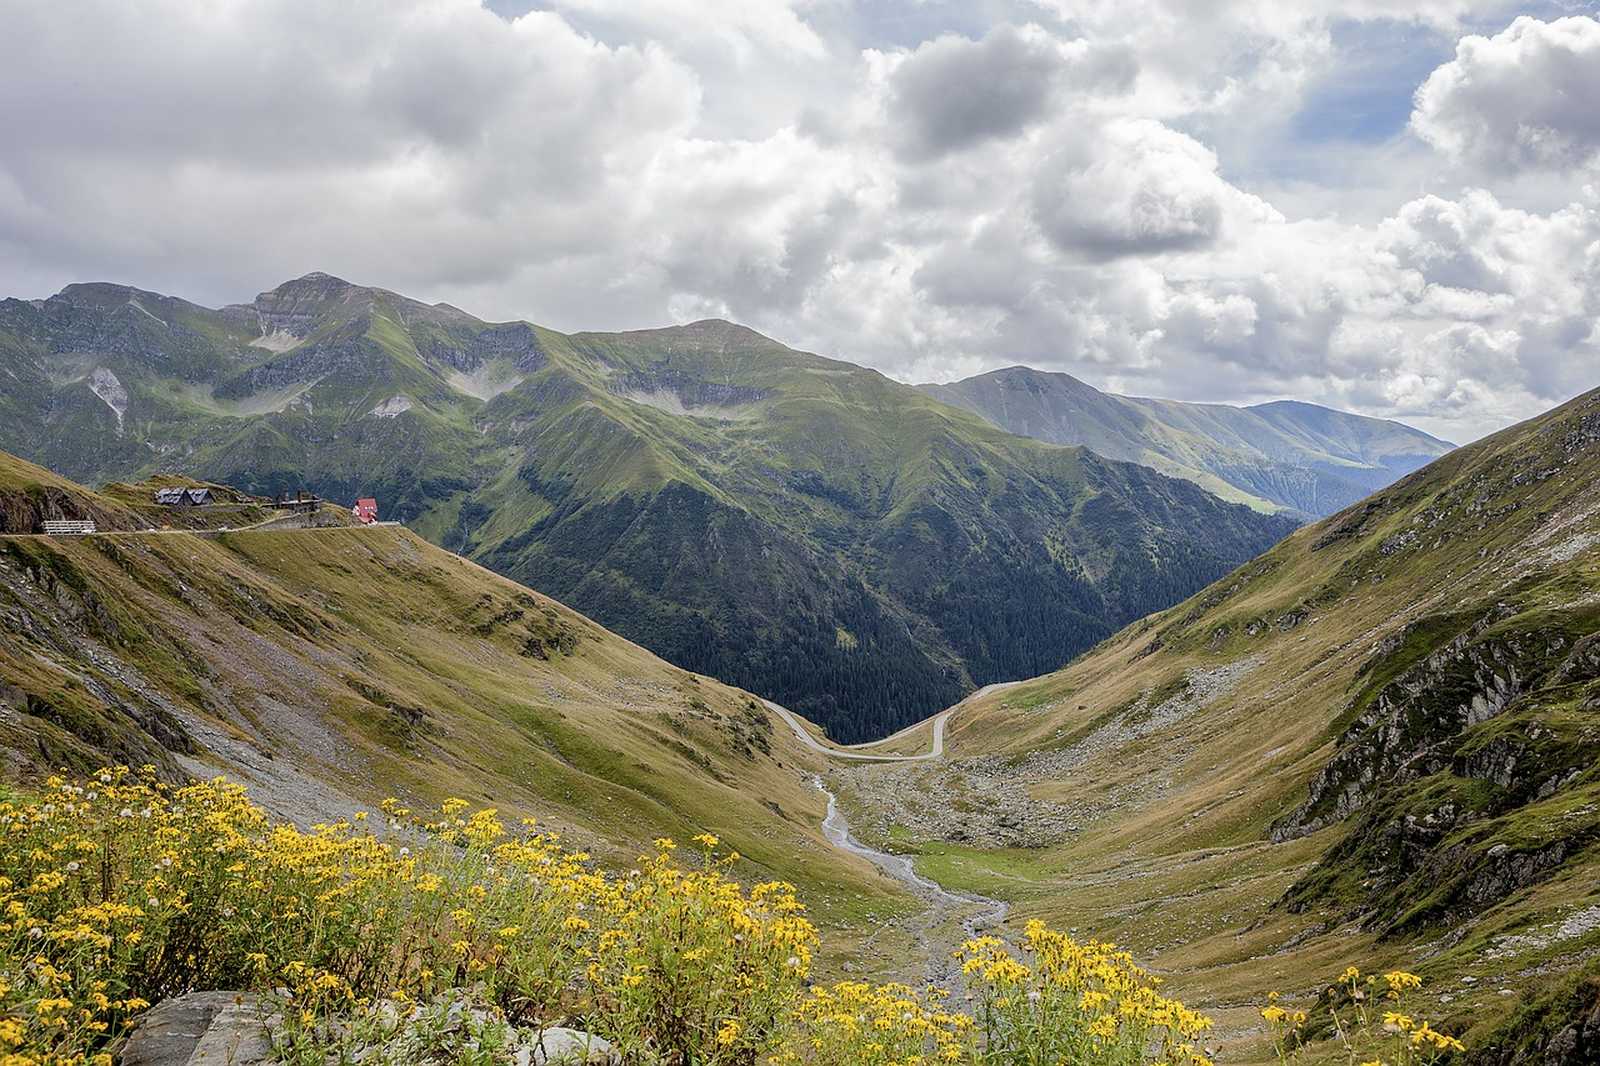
(330, 668)
(1377, 743)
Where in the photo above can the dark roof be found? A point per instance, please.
(183, 495)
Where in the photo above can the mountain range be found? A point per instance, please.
(799, 526)
(1375, 742)
(1374, 739)
(1287, 456)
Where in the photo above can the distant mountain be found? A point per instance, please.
(1379, 740)
(799, 526)
(1285, 456)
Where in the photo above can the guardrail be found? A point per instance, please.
(68, 527)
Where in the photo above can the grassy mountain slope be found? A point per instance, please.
(1377, 743)
(1295, 457)
(796, 525)
(330, 668)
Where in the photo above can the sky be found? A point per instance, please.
(1390, 208)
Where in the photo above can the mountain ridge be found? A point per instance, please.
(1282, 455)
(327, 669)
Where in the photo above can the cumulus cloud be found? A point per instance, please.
(1528, 97)
(1136, 187)
(433, 138)
(953, 92)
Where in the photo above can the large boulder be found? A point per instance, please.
(201, 1029)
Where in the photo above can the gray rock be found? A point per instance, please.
(559, 1045)
(200, 1029)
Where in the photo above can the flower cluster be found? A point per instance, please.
(1063, 1001)
(456, 935)
(1368, 1037)
(118, 891)
(695, 968)
(856, 1024)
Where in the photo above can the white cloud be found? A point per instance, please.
(1526, 98)
(1136, 187)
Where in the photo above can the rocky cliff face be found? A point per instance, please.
(27, 510)
(297, 307)
(111, 711)
(512, 342)
(1465, 771)
(1407, 728)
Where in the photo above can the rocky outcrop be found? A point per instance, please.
(691, 391)
(1558, 1028)
(1466, 723)
(201, 1029)
(27, 510)
(343, 357)
(107, 714)
(296, 306)
(1405, 728)
(512, 342)
(571, 1046)
(235, 1029)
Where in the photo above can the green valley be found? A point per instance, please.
(330, 668)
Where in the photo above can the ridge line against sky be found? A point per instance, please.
(1393, 209)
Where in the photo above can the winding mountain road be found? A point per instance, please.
(855, 752)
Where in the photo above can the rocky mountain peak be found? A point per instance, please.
(295, 306)
(313, 286)
(102, 294)
(1027, 377)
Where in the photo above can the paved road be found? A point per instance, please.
(856, 752)
(259, 527)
